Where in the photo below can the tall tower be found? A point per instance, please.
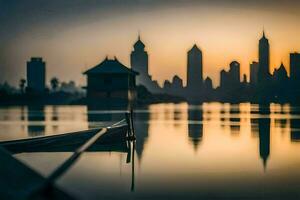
(36, 75)
(295, 67)
(194, 68)
(264, 60)
(139, 60)
(235, 72)
(254, 73)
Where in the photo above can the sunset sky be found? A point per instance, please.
(73, 35)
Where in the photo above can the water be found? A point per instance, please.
(210, 151)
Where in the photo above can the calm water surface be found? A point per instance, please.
(210, 151)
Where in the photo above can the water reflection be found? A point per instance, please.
(141, 126)
(36, 118)
(264, 134)
(101, 116)
(295, 130)
(55, 118)
(195, 126)
(132, 188)
(239, 149)
(178, 116)
(234, 119)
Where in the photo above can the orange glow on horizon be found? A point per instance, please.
(223, 35)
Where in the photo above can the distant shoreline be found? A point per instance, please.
(142, 104)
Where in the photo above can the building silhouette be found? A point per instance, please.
(139, 59)
(234, 72)
(36, 75)
(264, 86)
(264, 60)
(208, 85)
(177, 82)
(139, 63)
(110, 82)
(175, 87)
(280, 76)
(194, 68)
(244, 81)
(167, 87)
(254, 73)
(231, 79)
(194, 88)
(295, 67)
(223, 78)
(280, 83)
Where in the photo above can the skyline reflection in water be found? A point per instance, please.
(183, 151)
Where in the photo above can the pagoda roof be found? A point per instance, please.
(110, 66)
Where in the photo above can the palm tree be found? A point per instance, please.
(22, 85)
(54, 83)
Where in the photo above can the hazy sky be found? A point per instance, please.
(73, 35)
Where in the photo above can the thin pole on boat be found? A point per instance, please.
(129, 120)
(131, 140)
(128, 158)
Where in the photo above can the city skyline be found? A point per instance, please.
(150, 99)
(81, 44)
(112, 79)
(270, 69)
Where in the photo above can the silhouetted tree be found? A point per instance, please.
(54, 83)
(22, 85)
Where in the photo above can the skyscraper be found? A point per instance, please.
(139, 60)
(194, 68)
(231, 79)
(139, 63)
(254, 73)
(36, 75)
(264, 60)
(295, 67)
(280, 75)
(235, 72)
(223, 79)
(176, 86)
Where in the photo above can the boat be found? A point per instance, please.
(18, 181)
(114, 139)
